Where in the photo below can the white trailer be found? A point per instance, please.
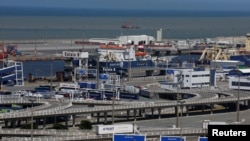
(116, 128)
(208, 122)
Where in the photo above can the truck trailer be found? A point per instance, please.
(114, 129)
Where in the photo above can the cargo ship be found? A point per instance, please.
(118, 59)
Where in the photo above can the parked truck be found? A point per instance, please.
(116, 128)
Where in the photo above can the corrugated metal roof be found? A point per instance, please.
(244, 70)
(226, 61)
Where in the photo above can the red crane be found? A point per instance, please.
(10, 50)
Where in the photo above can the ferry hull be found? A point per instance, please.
(124, 65)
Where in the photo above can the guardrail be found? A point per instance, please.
(60, 110)
(149, 78)
(106, 102)
(28, 112)
(64, 136)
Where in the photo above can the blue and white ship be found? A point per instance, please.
(119, 59)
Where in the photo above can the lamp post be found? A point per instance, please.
(238, 99)
(129, 72)
(177, 99)
(51, 73)
(189, 59)
(233, 37)
(113, 102)
(32, 100)
(35, 41)
(177, 107)
(82, 38)
(181, 102)
(71, 42)
(97, 70)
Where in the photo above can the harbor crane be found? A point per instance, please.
(10, 49)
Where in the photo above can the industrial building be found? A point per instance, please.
(239, 79)
(11, 73)
(186, 78)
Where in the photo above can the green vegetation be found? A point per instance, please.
(28, 126)
(85, 124)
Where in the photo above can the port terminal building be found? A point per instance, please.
(239, 79)
(186, 78)
(11, 73)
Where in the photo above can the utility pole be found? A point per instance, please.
(35, 41)
(177, 107)
(113, 102)
(51, 73)
(82, 38)
(97, 70)
(181, 102)
(32, 100)
(238, 99)
(71, 42)
(233, 37)
(178, 98)
(188, 41)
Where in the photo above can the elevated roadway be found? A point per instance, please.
(73, 111)
(65, 109)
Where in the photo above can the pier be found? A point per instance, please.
(37, 57)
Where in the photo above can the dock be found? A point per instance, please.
(35, 57)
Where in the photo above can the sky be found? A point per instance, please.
(213, 5)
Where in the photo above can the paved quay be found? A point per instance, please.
(27, 86)
(188, 122)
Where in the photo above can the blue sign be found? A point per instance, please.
(203, 139)
(170, 71)
(129, 137)
(103, 76)
(91, 71)
(171, 138)
(81, 71)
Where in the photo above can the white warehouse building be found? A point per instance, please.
(239, 79)
(123, 40)
(136, 39)
(186, 78)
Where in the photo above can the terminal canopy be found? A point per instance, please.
(239, 72)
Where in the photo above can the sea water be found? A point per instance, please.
(77, 27)
(175, 26)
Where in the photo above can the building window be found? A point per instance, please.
(246, 84)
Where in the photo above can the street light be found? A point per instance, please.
(83, 38)
(113, 102)
(35, 41)
(181, 102)
(188, 41)
(32, 100)
(71, 42)
(177, 108)
(51, 73)
(98, 70)
(179, 80)
(238, 99)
